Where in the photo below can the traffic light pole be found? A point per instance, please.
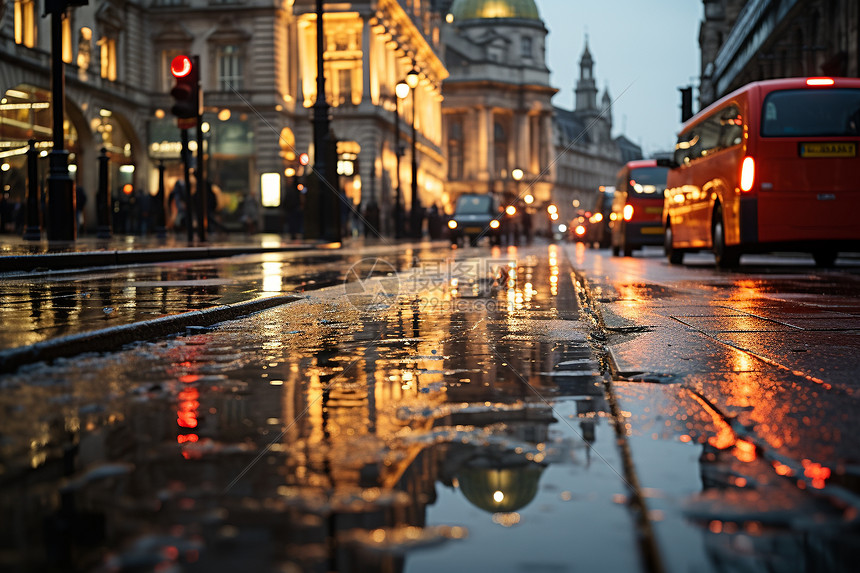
(187, 109)
(189, 212)
(200, 172)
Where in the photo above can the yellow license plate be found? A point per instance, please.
(652, 230)
(472, 230)
(653, 210)
(828, 149)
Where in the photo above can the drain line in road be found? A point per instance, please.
(646, 537)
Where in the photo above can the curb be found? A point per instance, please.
(113, 338)
(76, 260)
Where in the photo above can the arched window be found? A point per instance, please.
(500, 149)
(455, 148)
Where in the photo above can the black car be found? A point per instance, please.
(475, 216)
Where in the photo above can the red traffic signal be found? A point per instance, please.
(186, 91)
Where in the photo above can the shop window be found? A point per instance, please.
(25, 23)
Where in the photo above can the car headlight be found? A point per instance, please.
(494, 224)
(452, 224)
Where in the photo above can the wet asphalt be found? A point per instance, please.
(408, 409)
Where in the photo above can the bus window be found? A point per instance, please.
(647, 181)
(811, 113)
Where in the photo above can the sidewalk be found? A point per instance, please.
(17, 255)
(64, 298)
(93, 295)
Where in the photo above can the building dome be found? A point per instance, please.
(485, 9)
(500, 490)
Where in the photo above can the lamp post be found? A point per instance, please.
(412, 80)
(62, 225)
(326, 189)
(401, 90)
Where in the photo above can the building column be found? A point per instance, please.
(523, 137)
(367, 52)
(485, 142)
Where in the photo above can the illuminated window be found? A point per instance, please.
(25, 22)
(107, 57)
(229, 68)
(85, 48)
(67, 39)
(344, 86)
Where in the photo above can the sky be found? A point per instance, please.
(644, 50)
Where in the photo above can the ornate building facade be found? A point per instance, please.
(258, 72)
(747, 40)
(500, 123)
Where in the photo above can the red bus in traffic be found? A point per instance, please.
(770, 167)
(637, 208)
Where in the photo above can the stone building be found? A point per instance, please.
(500, 123)
(748, 40)
(258, 72)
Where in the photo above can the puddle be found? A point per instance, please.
(406, 431)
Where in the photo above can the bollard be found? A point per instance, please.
(33, 232)
(160, 216)
(103, 198)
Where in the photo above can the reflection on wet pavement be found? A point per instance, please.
(43, 306)
(446, 408)
(740, 393)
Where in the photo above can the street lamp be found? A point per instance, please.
(401, 91)
(326, 178)
(412, 79)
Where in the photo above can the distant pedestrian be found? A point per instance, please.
(434, 222)
(80, 206)
(371, 220)
(176, 204)
(250, 213)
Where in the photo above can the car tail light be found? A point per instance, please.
(820, 82)
(628, 212)
(747, 173)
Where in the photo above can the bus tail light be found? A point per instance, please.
(747, 174)
(628, 212)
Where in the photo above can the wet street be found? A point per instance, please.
(547, 408)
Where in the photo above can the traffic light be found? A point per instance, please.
(186, 98)
(686, 103)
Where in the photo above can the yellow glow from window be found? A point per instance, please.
(270, 186)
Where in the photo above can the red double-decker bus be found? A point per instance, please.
(770, 167)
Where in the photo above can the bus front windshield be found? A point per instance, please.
(811, 113)
(648, 181)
